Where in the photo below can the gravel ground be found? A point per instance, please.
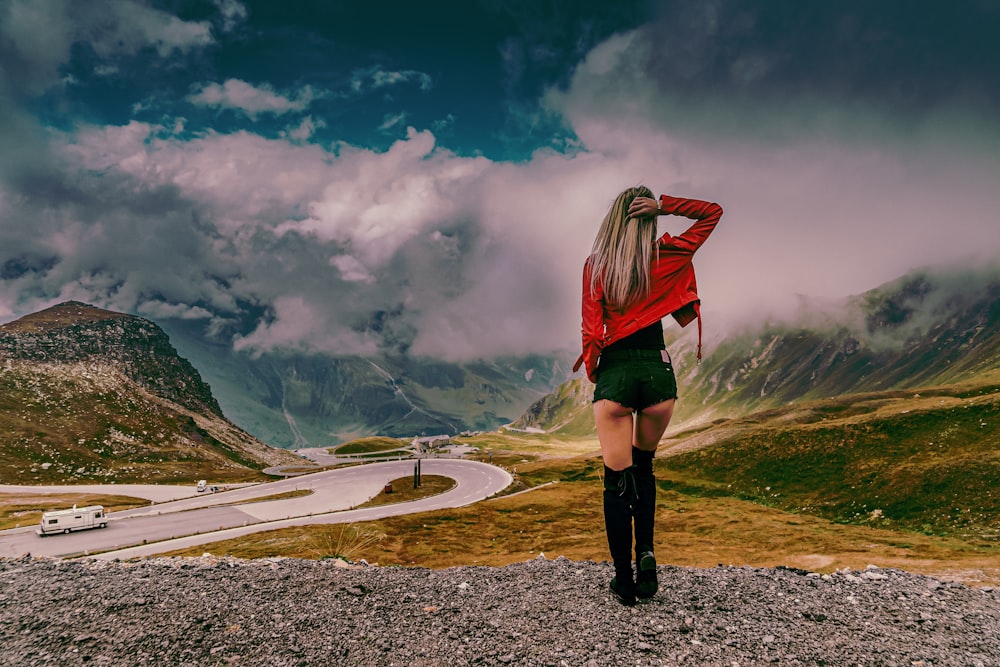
(223, 611)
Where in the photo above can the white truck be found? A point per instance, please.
(63, 521)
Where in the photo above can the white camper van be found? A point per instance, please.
(63, 521)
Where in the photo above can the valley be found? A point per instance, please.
(820, 486)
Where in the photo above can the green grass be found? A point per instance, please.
(926, 464)
(403, 491)
(382, 455)
(369, 446)
(530, 445)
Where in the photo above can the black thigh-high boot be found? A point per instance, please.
(619, 502)
(645, 517)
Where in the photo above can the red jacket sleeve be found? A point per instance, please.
(593, 326)
(707, 215)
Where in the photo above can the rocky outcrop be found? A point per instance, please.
(76, 332)
(91, 395)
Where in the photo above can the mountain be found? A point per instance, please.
(566, 410)
(926, 328)
(298, 399)
(92, 395)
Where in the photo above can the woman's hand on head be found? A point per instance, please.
(642, 207)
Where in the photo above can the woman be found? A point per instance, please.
(631, 282)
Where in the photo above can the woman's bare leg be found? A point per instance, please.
(651, 423)
(615, 430)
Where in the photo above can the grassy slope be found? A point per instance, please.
(95, 425)
(917, 461)
(830, 464)
(58, 317)
(369, 445)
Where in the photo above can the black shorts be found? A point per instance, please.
(635, 379)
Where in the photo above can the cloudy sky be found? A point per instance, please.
(357, 177)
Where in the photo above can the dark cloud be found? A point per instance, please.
(905, 56)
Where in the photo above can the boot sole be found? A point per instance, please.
(646, 588)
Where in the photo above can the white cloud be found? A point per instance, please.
(252, 100)
(36, 37)
(382, 78)
(243, 179)
(233, 13)
(160, 309)
(392, 120)
(351, 269)
(300, 325)
(305, 130)
(106, 70)
(128, 26)
(462, 247)
(375, 78)
(376, 202)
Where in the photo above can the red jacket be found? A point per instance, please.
(673, 292)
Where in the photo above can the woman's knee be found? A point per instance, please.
(619, 462)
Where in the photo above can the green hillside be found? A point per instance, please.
(77, 423)
(567, 410)
(924, 461)
(90, 395)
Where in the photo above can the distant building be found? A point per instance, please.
(431, 442)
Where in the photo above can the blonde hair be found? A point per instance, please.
(623, 252)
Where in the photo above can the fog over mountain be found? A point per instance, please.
(928, 328)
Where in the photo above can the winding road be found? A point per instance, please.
(183, 518)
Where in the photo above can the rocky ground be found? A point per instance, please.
(221, 611)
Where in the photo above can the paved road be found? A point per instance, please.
(156, 492)
(204, 518)
(321, 455)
